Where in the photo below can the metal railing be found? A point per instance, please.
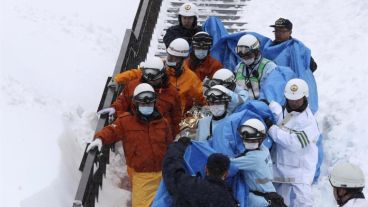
(133, 50)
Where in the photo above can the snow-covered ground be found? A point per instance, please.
(53, 52)
(55, 57)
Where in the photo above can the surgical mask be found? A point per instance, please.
(146, 110)
(250, 145)
(200, 54)
(217, 110)
(171, 64)
(249, 61)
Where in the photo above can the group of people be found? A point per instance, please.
(277, 154)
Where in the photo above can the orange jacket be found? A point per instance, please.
(188, 85)
(207, 68)
(167, 103)
(126, 76)
(145, 142)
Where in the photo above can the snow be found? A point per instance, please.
(55, 58)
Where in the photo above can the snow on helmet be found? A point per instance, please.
(223, 77)
(296, 89)
(188, 10)
(246, 44)
(347, 175)
(201, 39)
(144, 93)
(179, 47)
(153, 68)
(217, 93)
(252, 129)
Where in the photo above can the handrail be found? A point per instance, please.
(133, 50)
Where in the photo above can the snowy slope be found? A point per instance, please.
(336, 31)
(52, 52)
(55, 57)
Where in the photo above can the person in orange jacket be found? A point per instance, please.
(188, 85)
(168, 100)
(200, 61)
(146, 135)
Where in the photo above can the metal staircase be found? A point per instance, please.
(229, 11)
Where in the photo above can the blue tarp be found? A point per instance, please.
(292, 53)
(227, 141)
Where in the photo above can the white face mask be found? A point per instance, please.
(251, 146)
(146, 110)
(200, 54)
(217, 110)
(170, 64)
(249, 61)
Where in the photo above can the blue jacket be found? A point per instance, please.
(191, 191)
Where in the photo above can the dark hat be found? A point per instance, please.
(281, 22)
(218, 163)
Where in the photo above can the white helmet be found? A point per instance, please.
(248, 41)
(253, 129)
(188, 10)
(153, 63)
(224, 75)
(179, 47)
(296, 89)
(142, 88)
(347, 175)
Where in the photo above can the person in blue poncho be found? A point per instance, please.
(194, 191)
(256, 166)
(253, 68)
(226, 77)
(283, 29)
(218, 101)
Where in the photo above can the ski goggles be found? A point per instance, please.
(145, 98)
(152, 74)
(244, 51)
(212, 99)
(250, 133)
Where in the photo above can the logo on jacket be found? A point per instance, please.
(187, 7)
(294, 88)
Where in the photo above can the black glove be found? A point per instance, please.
(276, 199)
(185, 141)
(268, 122)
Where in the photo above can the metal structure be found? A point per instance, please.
(133, 50)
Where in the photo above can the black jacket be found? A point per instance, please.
(190, 191)
(179, 31)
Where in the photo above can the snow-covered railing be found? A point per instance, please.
(133, 50)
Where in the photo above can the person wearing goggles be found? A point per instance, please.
(153, 72)
(200, 60)
(226, 78)
(146, 135)
(253, 68)
(218, 101)
(255, 165)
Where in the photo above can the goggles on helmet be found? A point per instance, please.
(216, 96)
(227, 84)
(244, 51)
(145, 97)
(151, 74)
(250, 133)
